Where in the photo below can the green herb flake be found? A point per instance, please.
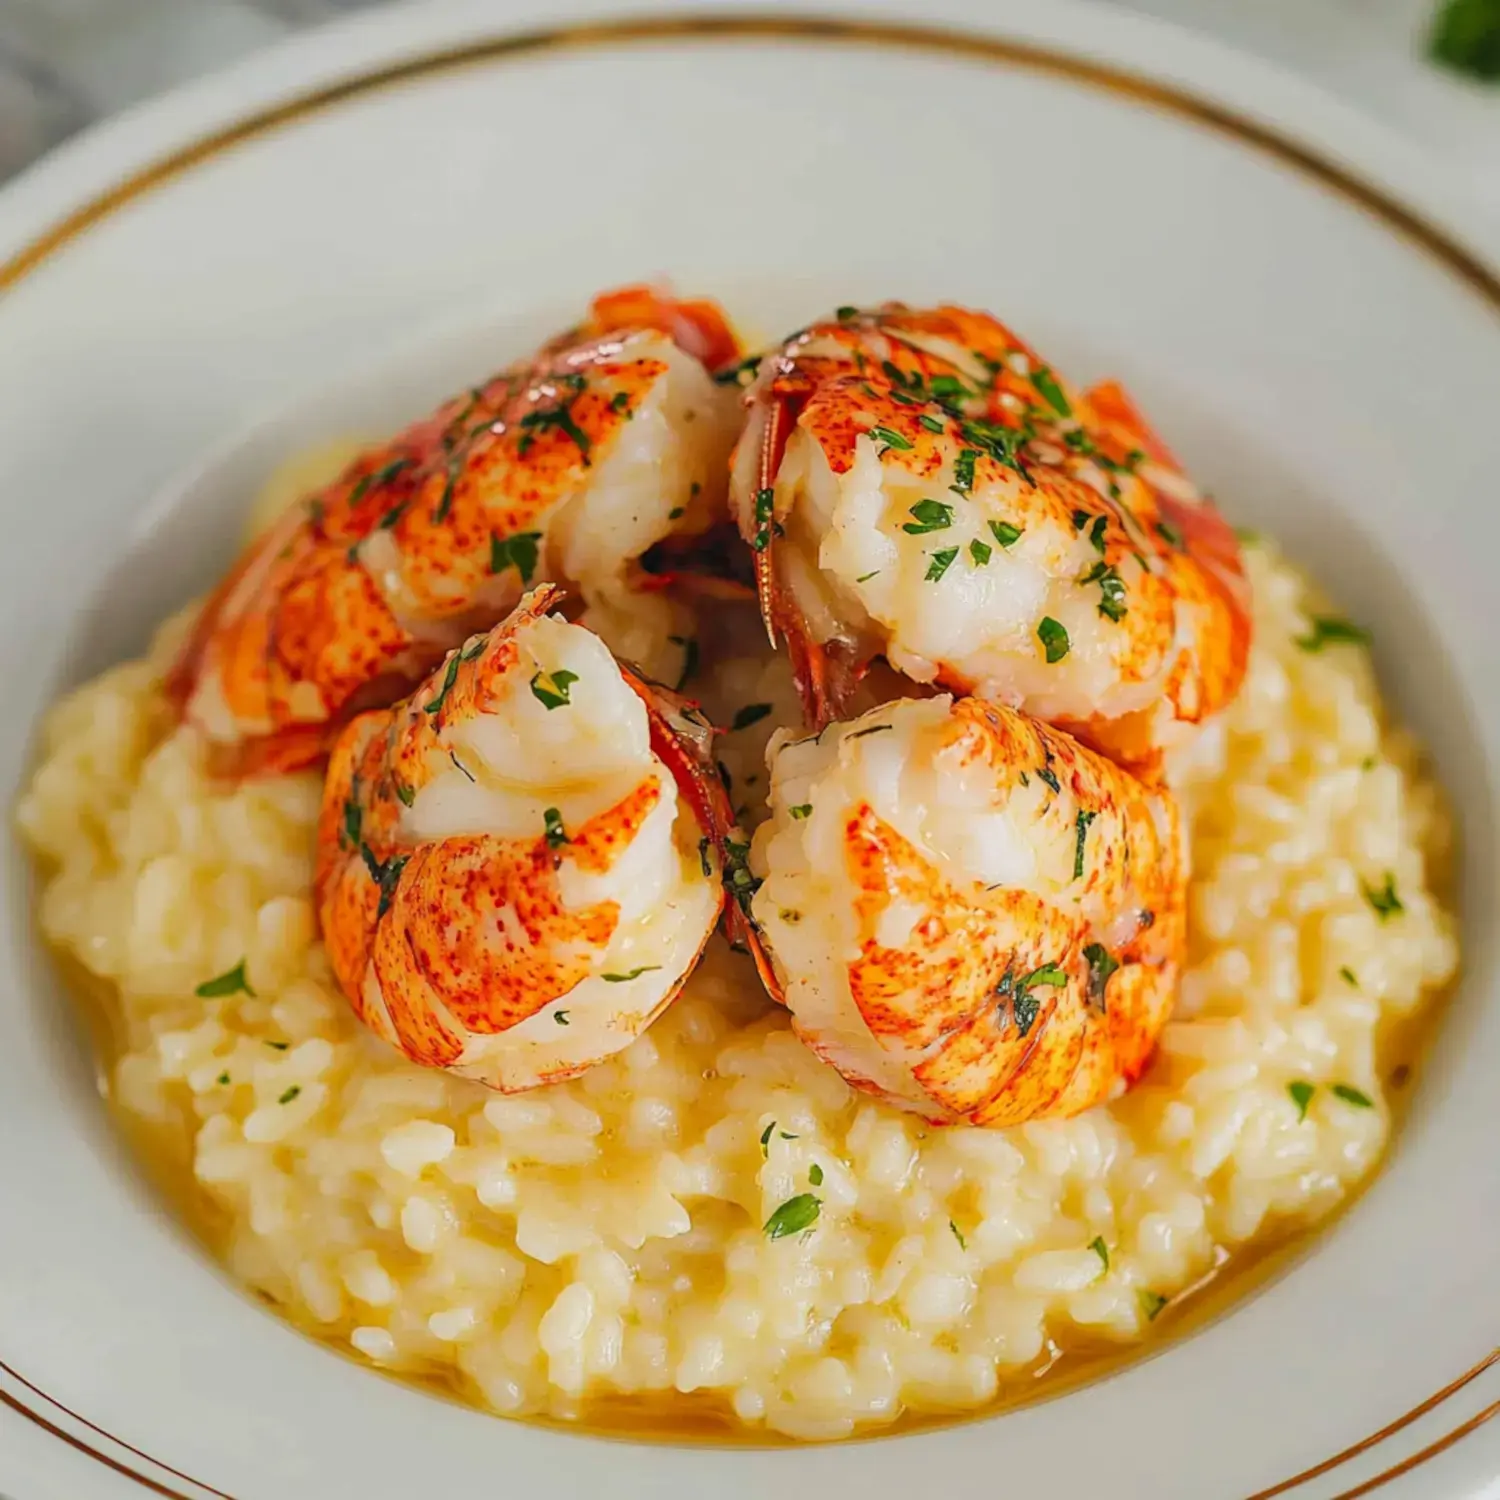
(555, 834)
(633, 974)
(278, 1046)
(386, 874)
(353, 821)
(1006, 534)
(738, 876)
(1170, 535)
(223, 1080)
(1100, 1249)
(1051, 975)
(1465, 37)
(963, 471)
(1301, 1091)
(941, 562)
(1330, 630)
(866, 577)
(929, 515)
(231, 982)
(550, 689)
(815, 1175)
(406, 795)
(765, 507)
(795, 1215)
(889, 439)
(1151, 1304)
(1054, 639)
(561, 1017)
(765, 1139)
(802, 810)
(290, 1094)
(1349, 977)
(619, 401)
(751, 713)
(559, 417)
(932, 424)
(449, 678)
(1351, 1095)
(1050, 391)
(518, 552)
(1384, 900)
(845, 313)
(676, 512)
(958, 1234)
(980, 552)
(1081, 837)
(1096, 533)
(1111, 590)
(1102, 964)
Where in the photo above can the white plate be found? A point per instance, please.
(1316, 331)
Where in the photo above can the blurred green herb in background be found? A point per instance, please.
(1466, 37)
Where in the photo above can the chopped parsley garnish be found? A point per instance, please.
(949, 391)
(633, 974)
(1349, 977)
(1301, 1091)
(1054, 638)
(751, 713)
(1151, 1304)
(1096, 532)
(676, 512)
(1100, 1249)
(231, 982)
(1048, 974)
(550, 689)
(940, 563)
(737, 873)
(795, 1215)
(375, 480)
(1048, 775)
(1050, 391)
(619, 401)
(459, 766)
(554, 832)
(980, 552)
(958, 1234)
(1003, 444)
(393, 515)
(1385, 901)
(278, 1046)
(1351, 1095)
(802, 810)
(223, 1079)
(932, 424)
(406, 794)
(846, 312)
(815, 1175)
(1081, 827)
(518, 552)
(451, 675)
(963, 471)
(689, 646)
(765, 1139)
(1330, 630)
(1170, 535)
(386, 875)
(765, 504)
(1102, 964)
(561, 1017)
(560, 417)
(1080, 519)
(1466, 37)
(290, 1094)
(1111, 590)
(889, 438)
(1006, 534)
(1023, 1004)
(866, 577)
(353, 821)
(928, 515)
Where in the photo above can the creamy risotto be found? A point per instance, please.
(712, 1220)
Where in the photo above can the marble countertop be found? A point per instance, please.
(66, 63)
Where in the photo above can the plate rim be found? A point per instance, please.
(120, 161)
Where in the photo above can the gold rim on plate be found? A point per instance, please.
(1411, 227)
